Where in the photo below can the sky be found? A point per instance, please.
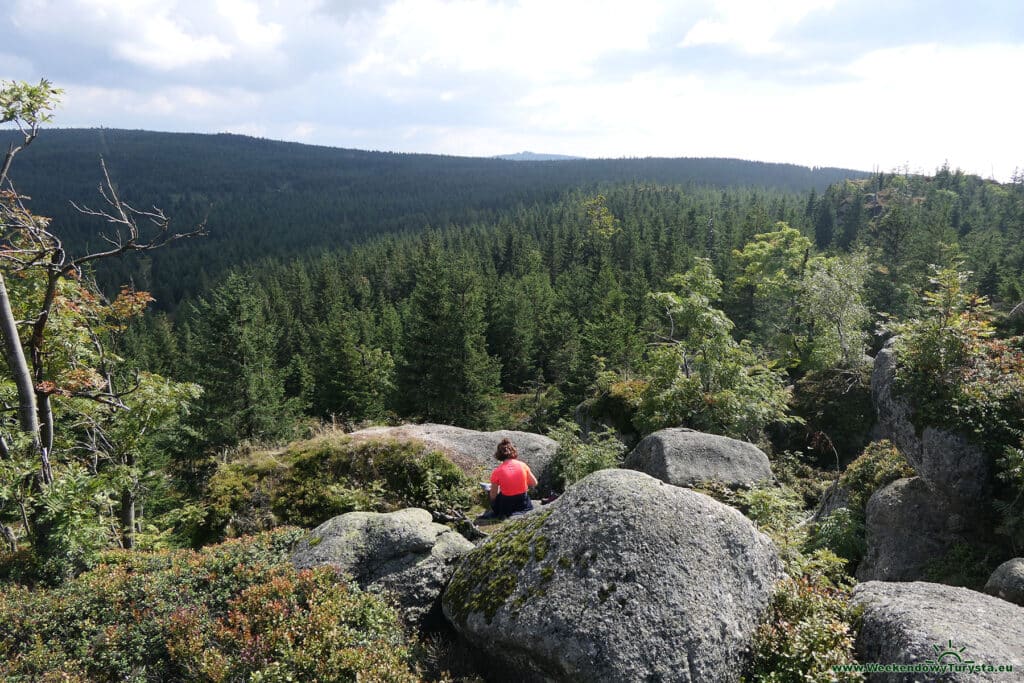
(863, 84)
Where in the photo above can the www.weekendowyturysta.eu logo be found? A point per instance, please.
(949, 657)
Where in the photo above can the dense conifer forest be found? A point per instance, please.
(597, 301)
(268, 198)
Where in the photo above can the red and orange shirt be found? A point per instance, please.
(512, 476)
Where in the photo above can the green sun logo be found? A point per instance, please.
(949, 654)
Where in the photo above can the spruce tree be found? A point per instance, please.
(234, 352)
(446, 375)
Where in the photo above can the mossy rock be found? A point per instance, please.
(311, 481)
(622, 578)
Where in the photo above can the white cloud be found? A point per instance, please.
(919, 104)
(162, 35)
(751, 25)
(534, 39)
(244, 19)
(162, 44)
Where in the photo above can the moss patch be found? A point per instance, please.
(489, 576)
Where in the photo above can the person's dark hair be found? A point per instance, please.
(505, 451)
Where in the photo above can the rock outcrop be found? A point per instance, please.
(684, 457)
(623, 578)
(928, 623)
(907, 526)
(947, 461)
(471, 450)
(1007, 581)
(917, 520)
(404, 553)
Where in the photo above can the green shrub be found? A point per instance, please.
(792, 470)
(842, 532)
(834, 402)
(810, 627)
(238, 611)
(952, 369)
(963, 565)
(237, 499)
(810, 624)
(613, 403)
(773, 509)
(880, 464)
(576, 457)
(777, 511)
(1010, 474)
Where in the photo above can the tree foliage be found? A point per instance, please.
(69, 469)
(700, 376)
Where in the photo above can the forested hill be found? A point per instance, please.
(262, 197)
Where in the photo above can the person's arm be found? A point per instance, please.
(495, 488)
(531, 480)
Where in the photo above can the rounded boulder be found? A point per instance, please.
(684, 457)
(1007, 581)
(921, 623)
(471, 450)
(403, 553)
(623, 578)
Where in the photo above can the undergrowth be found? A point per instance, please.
(237, 611)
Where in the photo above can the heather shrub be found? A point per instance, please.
(237, 611)
(330, 476)
(810, 624)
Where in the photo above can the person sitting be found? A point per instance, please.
(510, 482)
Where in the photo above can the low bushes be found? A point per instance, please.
(842, 531)
(312, 481)
(237, 611)
(810, 624)
(810, 627)
(577, 457)
(879, 465)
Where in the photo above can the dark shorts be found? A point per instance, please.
(505, 506)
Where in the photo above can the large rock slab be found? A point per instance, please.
(684, 457)
(404, 553)
(948, 461)
(928, 623)
(1007, 581)
(908, 525)
(895, 416)
(471, 450)
(623, 578)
